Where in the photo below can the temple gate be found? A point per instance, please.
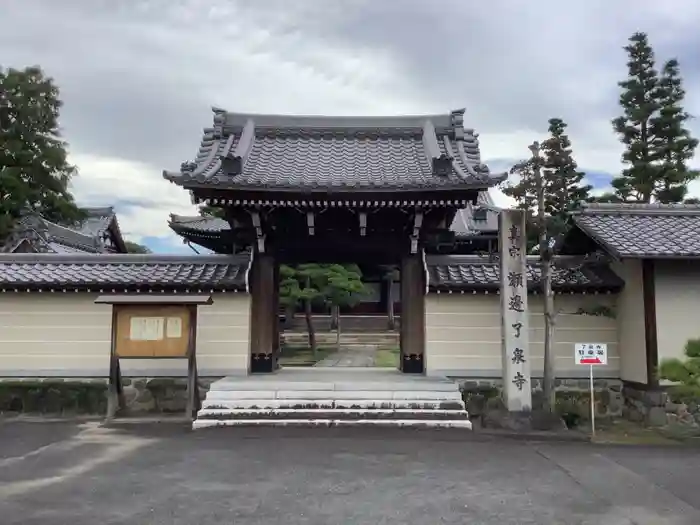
(377, 190)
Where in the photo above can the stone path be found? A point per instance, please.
(358, 356)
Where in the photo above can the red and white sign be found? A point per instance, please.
(591, 353)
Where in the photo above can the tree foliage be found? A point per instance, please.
(652, 129)
(213, 211)
(561, 183)
(685, 373)
(326, 284)
(332, 285)
(34, 170)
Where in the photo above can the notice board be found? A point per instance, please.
(152, 331)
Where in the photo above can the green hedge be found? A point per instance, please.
(53, 397)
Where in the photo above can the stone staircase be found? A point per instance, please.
(356, 330)
(334, 397)
(381, 339)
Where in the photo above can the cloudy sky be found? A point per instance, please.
(138, 77)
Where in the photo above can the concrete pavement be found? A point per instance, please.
(80, 474)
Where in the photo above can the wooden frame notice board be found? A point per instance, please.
(153, 327)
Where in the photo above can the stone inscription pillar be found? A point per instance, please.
(517, 387)
(412, 315)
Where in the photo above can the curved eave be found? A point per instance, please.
(106, 287)
(532, 289)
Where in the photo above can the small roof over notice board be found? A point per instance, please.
(133, 299)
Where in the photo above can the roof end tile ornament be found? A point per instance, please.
(440, 163)
(233, 162)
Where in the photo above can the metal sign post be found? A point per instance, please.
(591, 354)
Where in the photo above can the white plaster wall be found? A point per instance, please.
(463, 334)
(630, 322)
(677, 289)
(67, 335)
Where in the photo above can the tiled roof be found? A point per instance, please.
(468, 272)
(643, 230)
(475, 219)
(47, 237)
(197, 223)
(247, 151)
(122, 272)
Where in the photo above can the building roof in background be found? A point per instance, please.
(479, 218)
(323, 153)
(35, 234)
(477, 273)
(641, 231)
(122, 272)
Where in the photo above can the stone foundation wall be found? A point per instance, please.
(89, 396)
(659, 408)
(573, 396)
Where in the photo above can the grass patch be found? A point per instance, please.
(387, 358)
(302, 355)
(623, 432)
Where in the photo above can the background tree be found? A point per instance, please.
(330, 285)
(34, 171)
(563, 185)
(549, 187)
(657, 145)
(560, 183)
(674, 146)
(134, 247)
(214, 211)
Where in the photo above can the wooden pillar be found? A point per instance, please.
(412, 315)
(650, 330)
(263, 315)
(276, 317)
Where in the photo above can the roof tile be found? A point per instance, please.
(643, 230)
(342, 153)
(124, 271)
(459, 272)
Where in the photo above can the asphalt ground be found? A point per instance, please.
(83, 473)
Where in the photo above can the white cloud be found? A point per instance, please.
(142, 197)
(138, 77)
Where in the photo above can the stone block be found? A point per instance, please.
(656, 417)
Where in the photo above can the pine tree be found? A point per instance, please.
(639, 104)
(657, 145)
(563, 182)
(34, 171)
(674, 145)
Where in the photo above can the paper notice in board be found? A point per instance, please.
(146, 328)
(173, 328)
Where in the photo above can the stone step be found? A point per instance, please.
(346, 339)
(359, 323)
(271, 384)
(331, 414)
(330, 404)
(397, 423)
(373, 395)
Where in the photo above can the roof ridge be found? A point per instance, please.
(120, 258)
(634, 208)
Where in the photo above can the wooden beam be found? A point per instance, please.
(257, 224)
(650, 329)
(310, 222)
(417, 223)
(363, 223)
